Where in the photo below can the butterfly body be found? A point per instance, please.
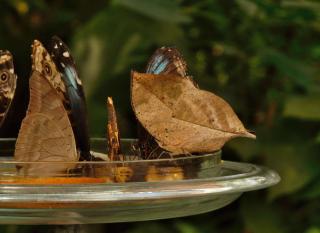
(61, 55)
(8, 80)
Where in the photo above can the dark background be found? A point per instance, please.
(261, 56)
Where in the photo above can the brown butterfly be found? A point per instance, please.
(165, 61)
(8, 81)
(183, 118)
(176, 114)
(46, 133)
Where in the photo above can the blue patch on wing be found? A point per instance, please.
(70, 77)
(161, 67)
(158, 65)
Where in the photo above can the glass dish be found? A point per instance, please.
(154, 189)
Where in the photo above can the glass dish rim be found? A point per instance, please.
(260, 177)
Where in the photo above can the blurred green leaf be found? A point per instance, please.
(303, 107)
(246, 149)
(300, 73)
(313, 230)
(100, 45)
(184, 227)
(166, 10)
(250, 7)
(296, 165)
(261, 217)
(312, 191)
(317, 139)
(150, 227)
(316, 52)
(90, 66)
(312, 5)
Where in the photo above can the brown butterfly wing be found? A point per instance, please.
(8, 83)
(182, 117)
(164, 61)
(45, 133)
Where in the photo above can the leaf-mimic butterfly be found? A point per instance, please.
(46, 133)
(167, 61)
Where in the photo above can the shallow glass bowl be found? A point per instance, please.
(123, 191)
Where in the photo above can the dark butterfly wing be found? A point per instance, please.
(61, 55)
(167, 60)
(8, 80)
(64, 61)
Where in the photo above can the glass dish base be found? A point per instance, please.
(211, 185)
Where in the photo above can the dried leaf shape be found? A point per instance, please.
(183, 118)
(165, 61)
(45, 133)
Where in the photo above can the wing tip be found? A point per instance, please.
(250, 134)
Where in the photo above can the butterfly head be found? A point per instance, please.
(41, 60)
(43, 63)
(7, 76)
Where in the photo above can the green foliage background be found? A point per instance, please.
(262, 56)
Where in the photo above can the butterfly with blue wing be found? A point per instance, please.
(165, 61)
(76, 103)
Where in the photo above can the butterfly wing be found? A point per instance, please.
(61, 55)
(45, 133)
(8, 81)
(43, 63)
(167, 60)
(64, 61)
